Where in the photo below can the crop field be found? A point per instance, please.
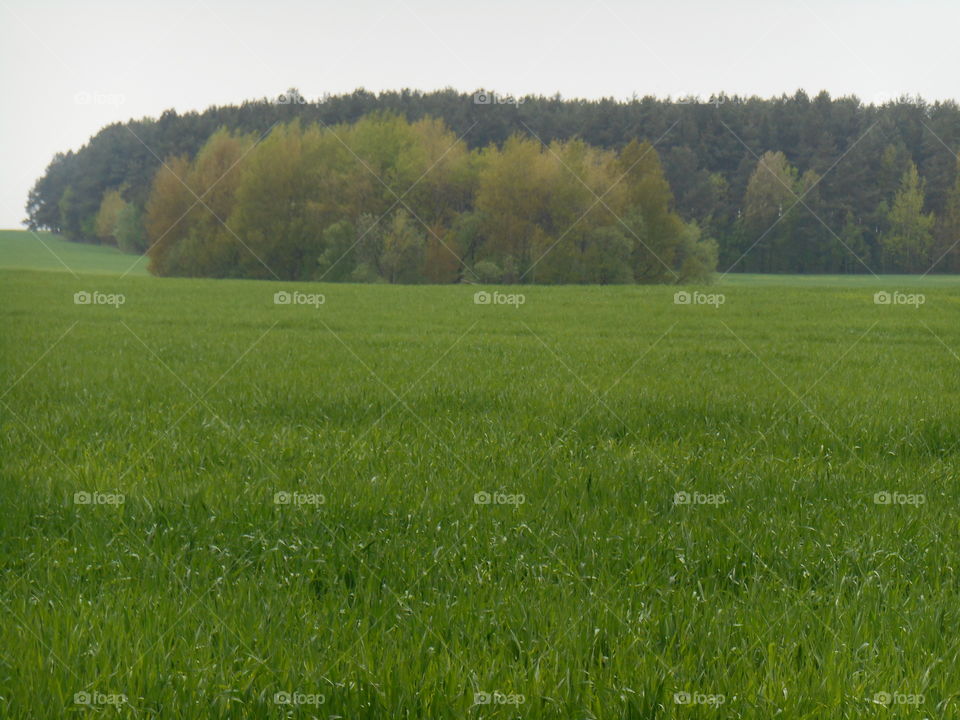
(46, 251)
(349, 501)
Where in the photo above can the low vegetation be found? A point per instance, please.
(243, 499)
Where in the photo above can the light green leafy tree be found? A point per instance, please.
(403, 250)
(908, 242)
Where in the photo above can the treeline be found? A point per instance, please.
(789, 184)
(386, 200)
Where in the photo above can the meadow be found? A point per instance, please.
(393, 502)
(47, 251)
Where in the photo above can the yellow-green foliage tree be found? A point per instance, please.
(513, 197)
(167, 207)
(386, 200)
(573, 213)
(908, 243)
(771, 211)
(187, 213)
(105, 222)
(277, 214)
(656, 228)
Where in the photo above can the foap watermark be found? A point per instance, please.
(96, 98)
(897, 698)
(698, 498)
(295, 697)
(282, 297)
(498, 698)
(682, 297)
(95, 697)
(498, 498)
(698, 698)
(83, 297)
(290, 97)
(482, 297)
(883, 297)
(98, 498)
(287, 497)
(491, 98)
(885, 497)
(715, 100)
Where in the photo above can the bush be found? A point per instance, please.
(129, 232)
(697, 256)
(488, 272)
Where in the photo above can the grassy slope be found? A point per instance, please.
(46, 251)
(399, 596)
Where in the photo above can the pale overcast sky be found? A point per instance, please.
(133, 59)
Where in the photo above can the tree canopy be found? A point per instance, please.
(387, 200)
(364, 186)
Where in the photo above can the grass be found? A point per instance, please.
(399, 595)
(861, 280)
(45, 251)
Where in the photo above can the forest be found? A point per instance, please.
(441, 187)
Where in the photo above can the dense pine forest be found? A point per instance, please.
(445, 187)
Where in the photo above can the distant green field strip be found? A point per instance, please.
(862, 280)
(21, 249)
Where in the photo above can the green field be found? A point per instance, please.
(46, 251)
(303, 505)
(841, 281)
